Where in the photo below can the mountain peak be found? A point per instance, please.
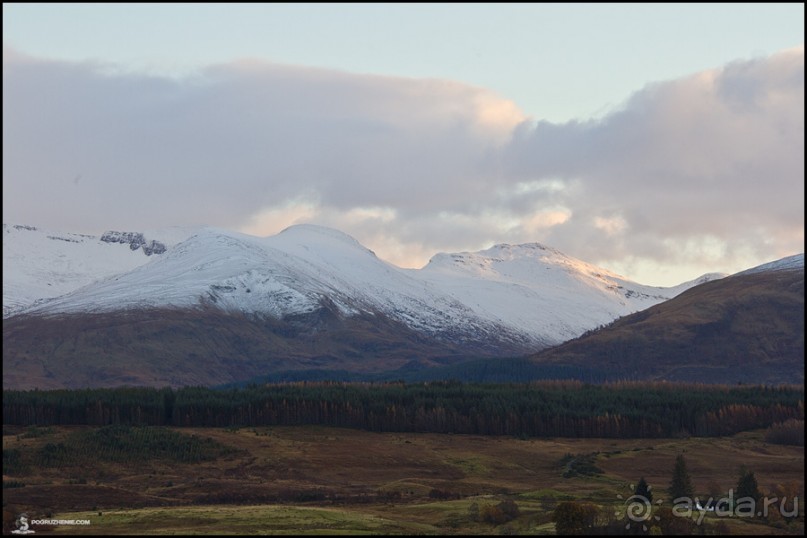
(309, 232)
(522, 247)
(498, 252)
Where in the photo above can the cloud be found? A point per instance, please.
(237, 139)
(701, 171)
(716, 158)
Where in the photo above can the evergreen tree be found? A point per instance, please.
(681, 485)
(643, 490)
(747, 486)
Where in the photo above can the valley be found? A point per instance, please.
(324, 480)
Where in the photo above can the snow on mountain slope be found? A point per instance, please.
(41, 264)
(529, 295)
(230, 270)
(791, 263)
(533, 286)
(294, 272)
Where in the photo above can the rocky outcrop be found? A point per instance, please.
(153, 247)
(135, 240)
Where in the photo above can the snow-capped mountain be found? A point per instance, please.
(41, 264)
(534, 287)
(528, 295)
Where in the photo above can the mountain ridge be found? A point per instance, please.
(220, 307)
(501, 290)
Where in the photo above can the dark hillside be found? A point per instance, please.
(746, 328)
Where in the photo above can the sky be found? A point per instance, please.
(660, 141)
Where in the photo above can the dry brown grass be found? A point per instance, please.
(364, 472)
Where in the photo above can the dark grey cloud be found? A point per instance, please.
(706, 169)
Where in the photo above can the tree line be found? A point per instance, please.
(538, 409)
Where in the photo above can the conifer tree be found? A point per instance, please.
(681, 485)
(644, 490)
(747, 486)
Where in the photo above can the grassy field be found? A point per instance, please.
(318, 480)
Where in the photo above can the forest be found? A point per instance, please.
(537, 409)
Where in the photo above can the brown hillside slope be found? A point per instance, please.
(744, 328)
(161, 347)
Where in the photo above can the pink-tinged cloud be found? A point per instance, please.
(719, 153)
(707, 165)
